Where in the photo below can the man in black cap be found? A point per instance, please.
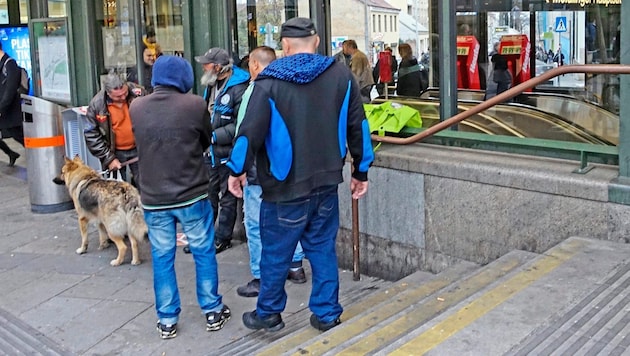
(301, 103)
(225, 85)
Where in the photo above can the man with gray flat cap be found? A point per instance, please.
(225, 85)
(301, 103)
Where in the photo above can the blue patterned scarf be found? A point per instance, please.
(299, 68)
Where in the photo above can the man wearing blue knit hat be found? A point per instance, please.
(172, 131)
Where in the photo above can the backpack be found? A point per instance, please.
(25, 82)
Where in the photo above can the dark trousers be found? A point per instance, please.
(16, 132)
(312, 220)
(125, 155)
(223, 202)
(5, 148)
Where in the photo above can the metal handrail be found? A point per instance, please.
(508, 94)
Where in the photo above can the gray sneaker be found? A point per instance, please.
(166, 331)
(216, 320)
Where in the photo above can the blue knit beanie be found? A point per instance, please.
(173, 71)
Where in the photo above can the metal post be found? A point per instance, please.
(448, 55)
(624, 96)
(356, 258)
(367, 28)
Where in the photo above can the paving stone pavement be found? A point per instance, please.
(63, 303)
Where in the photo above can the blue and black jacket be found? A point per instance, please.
(302, 115)
(223, 115)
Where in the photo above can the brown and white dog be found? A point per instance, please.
(114, 205)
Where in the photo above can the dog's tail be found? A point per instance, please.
(137, 226)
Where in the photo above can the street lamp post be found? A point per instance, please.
(367, 27)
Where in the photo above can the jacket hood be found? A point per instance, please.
(238, 76)
(173, 71)
(301, 68)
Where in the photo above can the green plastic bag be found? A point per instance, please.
(391, 117)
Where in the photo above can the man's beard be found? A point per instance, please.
(209, 78)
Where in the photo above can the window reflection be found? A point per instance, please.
(259, 22)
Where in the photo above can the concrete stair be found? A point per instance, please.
(570, 299)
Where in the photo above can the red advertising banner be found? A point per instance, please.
(516, 50)
(385, 69)
(467, 68)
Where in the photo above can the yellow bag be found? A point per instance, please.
(391, 117)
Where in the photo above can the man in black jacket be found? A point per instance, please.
(172, 132)
(225, 85)
(303, 115)
(10, 105)
(148, 59)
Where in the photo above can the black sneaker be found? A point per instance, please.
(271, 323)
(323, 326)
(298, 276)
(216, 320)
(167, 331)
(249, 290)
(222, 246)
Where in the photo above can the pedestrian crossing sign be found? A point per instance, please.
(561, 24)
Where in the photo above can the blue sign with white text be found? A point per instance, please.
(16, 43)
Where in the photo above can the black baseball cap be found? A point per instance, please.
(298, 27)
(214, 55)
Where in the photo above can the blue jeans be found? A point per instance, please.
(197, 224)
(252, 198)
(312, 220)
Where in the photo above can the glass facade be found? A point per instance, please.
(128, 29)
(529, 38)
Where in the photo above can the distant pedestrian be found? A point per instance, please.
(410, 76)
(501, 78)
(344, 55)
(559, 57)
(172, 130)
(148, 59)
(360, 67)
(299, 188)
(550, 56)
(10, 105)
(591, 35)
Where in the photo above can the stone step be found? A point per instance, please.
(571, 300)
(18, 338)
(399, 314)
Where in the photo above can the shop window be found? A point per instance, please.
(162, 20)
(24, 12)
(4, 13)
(57, 8)
(259, 22)
(118, 37)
